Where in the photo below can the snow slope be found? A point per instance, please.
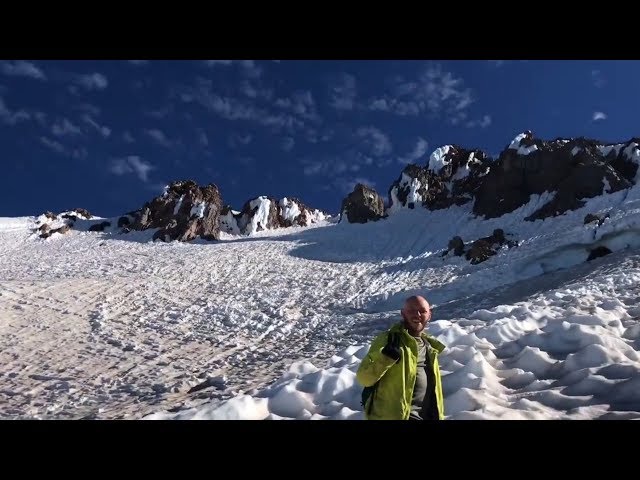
(101, 325)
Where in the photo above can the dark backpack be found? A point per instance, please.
(393, 338)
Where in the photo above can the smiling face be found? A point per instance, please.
(416, 314)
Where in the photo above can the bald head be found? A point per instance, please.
(416, 313)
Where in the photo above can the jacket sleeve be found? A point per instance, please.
(375, 364)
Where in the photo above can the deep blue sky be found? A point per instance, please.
(108, 135)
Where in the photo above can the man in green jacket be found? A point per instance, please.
(402, 367)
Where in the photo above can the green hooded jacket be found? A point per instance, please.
(392, 398)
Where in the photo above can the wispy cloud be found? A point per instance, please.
(497, 63)
(127, 137)
(9, 117)
(93, 81)
(484, 122)
(231, 108)
(203, 139)
(253, 89)
(88, 108)
(21, 68)
(54, 145)
(435, 92)
(598, 79)
(239, 139)
(300, 103)
(103, 130)
(332, 166)
(599, 116)
(139, 63)
(215, 63)
(65, 127)
(419, 151)
(288, 143)
(376, 141)
(343, 92)
(131, 164)
(161, 112)
(40, 117)
(249, 67)
(159, 137)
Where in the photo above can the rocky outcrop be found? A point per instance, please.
(597, 217)
(295, 213)
(267, 213)
(362, 205)
(451, 177)
(47, 232)
(48, 216)
(457, 245)
(569, 171)
(99, 227)
(598, 252)
(486, 247)
(259, 214)
(481, 249)
(185, 211)
(573, 169)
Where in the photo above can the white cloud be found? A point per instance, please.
(40, 117)
(598, 79)
(318, 166)
(484, 122)
(599, 116)
(131, 164)
(23, 69)
(237, 139)
(332, 166)
(104, 130)
(65, 127)
(234, 109)
(418, 152)
(375, 140)
(127, 137)
(301, 103)
(89, 108)
(434, 92)
(288, 143)
(379, 104)
(343, 92)
(139, 63)
(249, 67)
(11, 118)
(248, 89)
(497, 63)
(77, 153)
(159, 137)
(53, 145)
(214, 63)
(94, 81)
(162, 112)
(203, 139)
